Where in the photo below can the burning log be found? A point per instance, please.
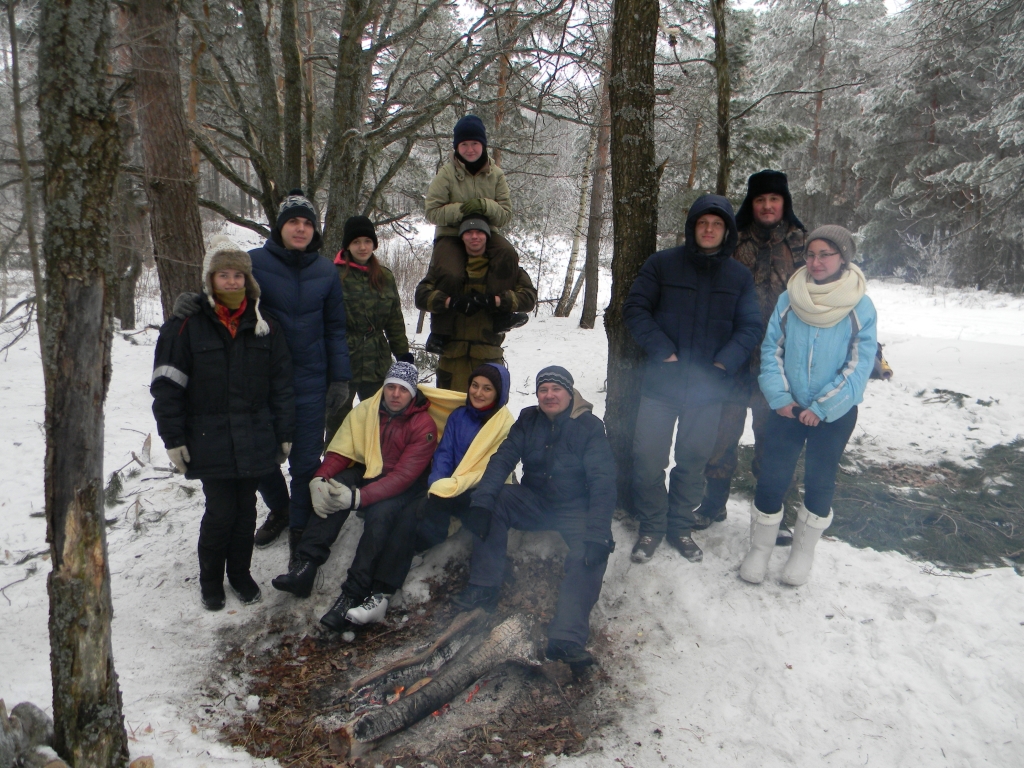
(508, 641)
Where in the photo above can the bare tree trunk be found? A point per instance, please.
(27, 194)
(291, 174)
(634, 212)
(177, 230)
(81, 144)
(504, 71)
(719, 9)
(268, 115)
(596, 223)
(564, 306)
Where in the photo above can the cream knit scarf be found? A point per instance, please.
(825, 305)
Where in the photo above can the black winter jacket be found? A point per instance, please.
(567, 461)
(230, 401)
(701, 308)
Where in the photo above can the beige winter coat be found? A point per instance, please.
(454, 185)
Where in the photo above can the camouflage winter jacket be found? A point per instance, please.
(376, 326)
(772, 256)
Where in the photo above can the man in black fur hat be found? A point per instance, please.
(771, 246)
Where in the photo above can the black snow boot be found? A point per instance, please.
(272, 527)
(246, 588)
(473, 597)
(213, 595)
(686, 545)
(335, 619)
(294, 537)
(299, 580)
(570, 652)
(712, 506)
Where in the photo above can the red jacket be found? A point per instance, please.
(407, 443)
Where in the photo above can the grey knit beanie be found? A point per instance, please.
(840, 237)
(555, 374)
(405, 375)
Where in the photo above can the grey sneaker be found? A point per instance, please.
(644, 548)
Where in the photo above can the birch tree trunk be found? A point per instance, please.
(81, 146)
(568, 298)
(634, 213)
(176, 228)
(595, 224)
(719, 9)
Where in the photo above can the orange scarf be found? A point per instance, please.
(230, 318)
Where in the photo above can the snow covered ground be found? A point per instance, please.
(879, 660)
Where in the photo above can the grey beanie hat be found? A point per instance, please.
(405, 375)
(841, 237)
(555, 374)
(474, 222)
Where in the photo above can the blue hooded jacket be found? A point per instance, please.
(304, 294)
(700, 307)
(462, 427)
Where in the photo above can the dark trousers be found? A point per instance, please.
(304, 461)
(384, 551)
(724, 457)
(519, 507)
(365, 390)
(783, 442)
(225, 534)
(660, 511)
(435, 519)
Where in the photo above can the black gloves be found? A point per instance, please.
(186, 305)
(337, 394)
(474, 207)
(467, 304)
(478, 520)
(408, 357)
(488, 302)
(596, 552)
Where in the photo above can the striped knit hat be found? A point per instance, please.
(555, 374)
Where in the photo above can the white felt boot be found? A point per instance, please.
(806, 532)
(763, 530)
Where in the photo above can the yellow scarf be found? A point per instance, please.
(825, 305)
(358, 438)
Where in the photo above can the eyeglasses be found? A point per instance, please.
(820, 256)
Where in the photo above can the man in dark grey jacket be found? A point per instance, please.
(694, 311)
(568, 485)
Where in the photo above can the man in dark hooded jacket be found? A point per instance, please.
(694, 311)
(771, 246)
(303, 292)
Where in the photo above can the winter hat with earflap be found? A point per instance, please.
(296, 204)
(840, 237)
(224, 253)
(405, 375)
(469, 128)
(767, 182)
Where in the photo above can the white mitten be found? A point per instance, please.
(328, 496)
(179, 457)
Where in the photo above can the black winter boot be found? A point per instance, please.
(213, 595)
(473, 597)
(712, 506)
(294, 537)
(246, 588)
(570, 652)
(686, 546)
(299, 580)
(335, 619)
(272, 527)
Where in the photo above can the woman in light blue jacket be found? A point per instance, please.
(816, 358)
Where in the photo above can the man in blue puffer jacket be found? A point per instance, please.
(303, 292)
(695, 312)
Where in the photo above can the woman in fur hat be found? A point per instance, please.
(815, 362)
(225, 409)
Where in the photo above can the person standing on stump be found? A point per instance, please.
(303, 292)
(225, 409)
(694, 311)
(474, 290)
(374, 322)
(771, 246)
(568, 485)
(469, 185)
(816, 359)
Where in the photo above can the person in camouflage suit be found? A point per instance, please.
(473, 292)
(376, 326)
(771, 246)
